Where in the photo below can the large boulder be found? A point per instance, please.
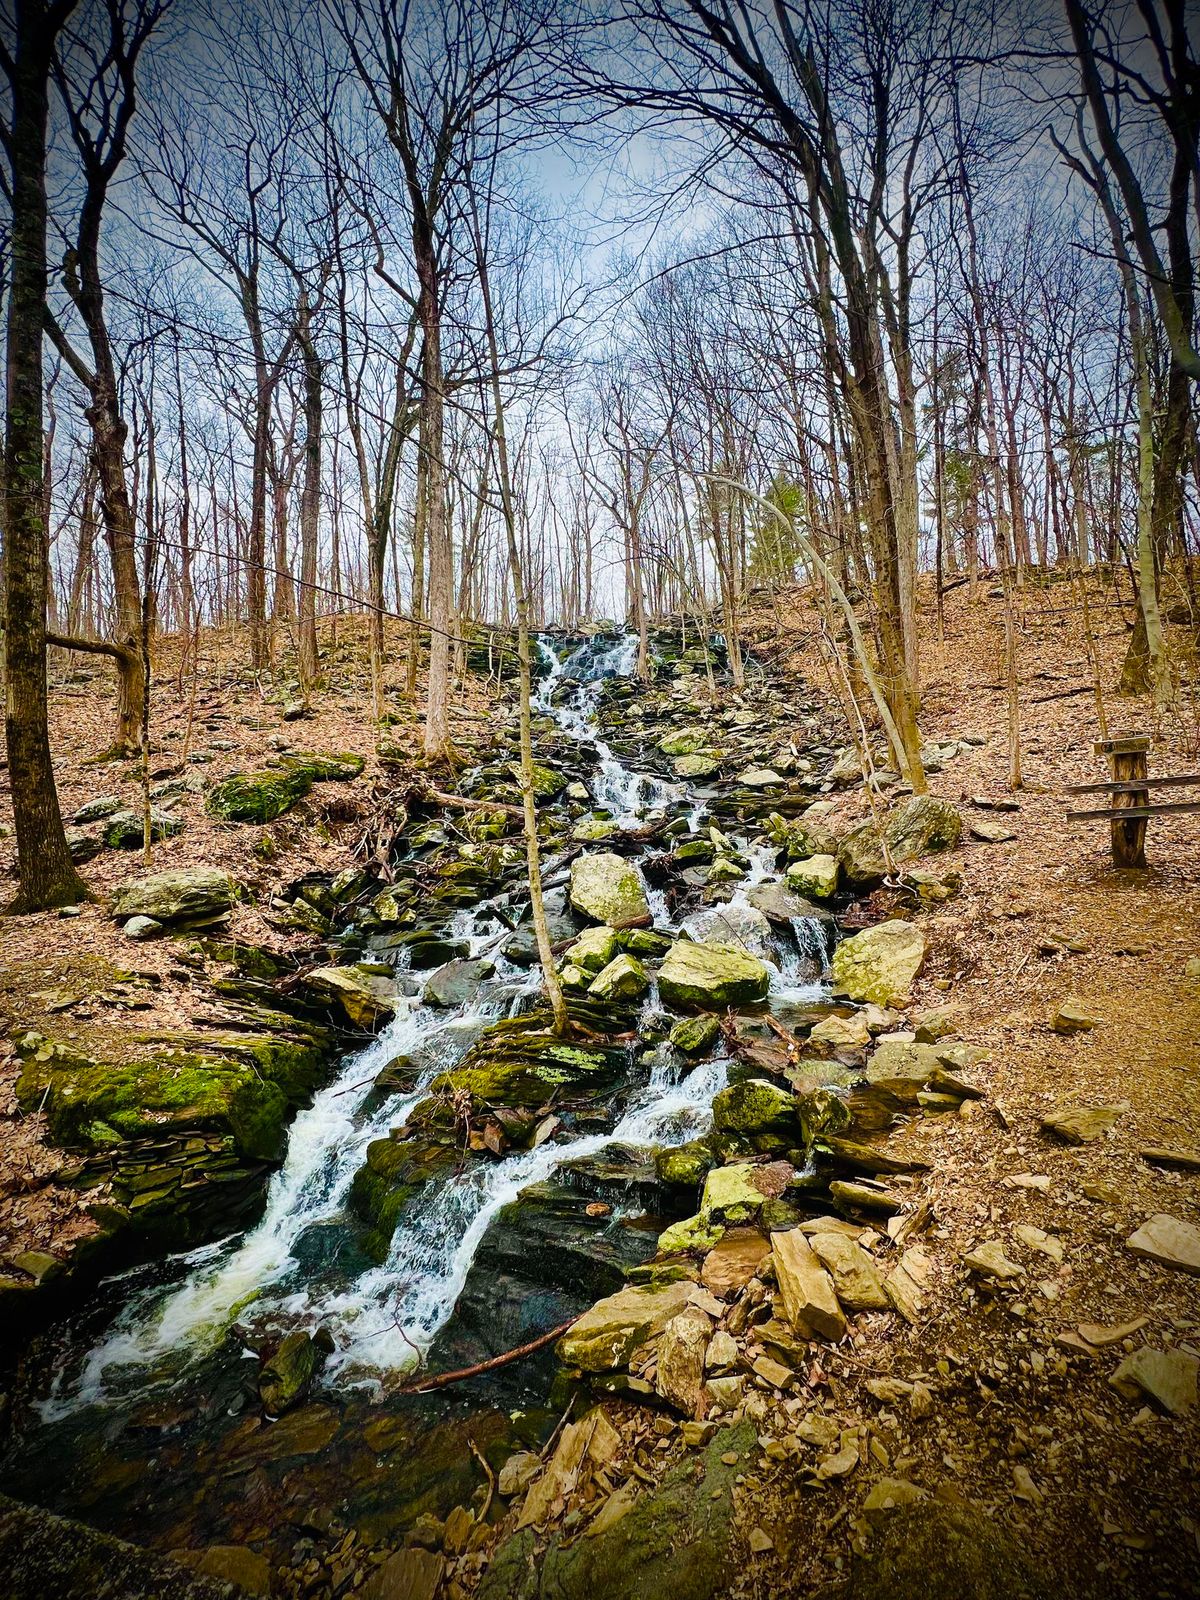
(455, 983)
(754, 1106)
(880, 963)
(816, 877)
(606, 1336)
(711, 977)
(914, 828)
(185, 895)
(286, 1377)
(624, 978)
(126, 830)
(368, 998)
(263, 796)
(744, 927)
(683, 742)
(608, 889)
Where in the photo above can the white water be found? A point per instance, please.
(384, 1319)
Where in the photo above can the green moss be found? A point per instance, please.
(257, 796)
(394, 1173)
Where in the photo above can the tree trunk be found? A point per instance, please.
(310, 504)
(46, 873)
(437, 531)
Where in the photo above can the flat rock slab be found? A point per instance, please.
(1081, 1124)
(730, 1265)
(808, 1294)
(1168, 1377)
(1160, 1155)
(1168, 1241)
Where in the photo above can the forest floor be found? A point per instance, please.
(1016, 1413)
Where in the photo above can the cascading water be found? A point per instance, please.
(385, 1317)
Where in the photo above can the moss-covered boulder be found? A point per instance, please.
(879, 964)
(682, 742)
(711, 977)
(608, 889)
(246, 1085)
(914, 828)
(188, 894)
(696, 1036)
(126, 830)
(703, 764)
(686, 1165)
(594, 949)
(606, 1336)
(396, 1171)
(263, 796)
(624, 978)
(815, 877)
(754, 1106)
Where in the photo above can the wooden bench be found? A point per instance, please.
(1130, 790)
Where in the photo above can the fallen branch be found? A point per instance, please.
(461, 803)
(95, 647)
(445, 1379)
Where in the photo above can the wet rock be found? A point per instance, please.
(624, 978)
(286, 1377)
(187, 894)
(591, 830)
(711, 977)
(606, 1336)
(594, 949)
(914, 828)
(1080, 1124)
(1168, 1377)
(368, 998)
(782, 905)
(880, 963)
(455, 983)
(741, 927)
(752, 1106)
(696, 1036)
(1169, 1242)
(608, 889)
(815, 877)
(686, 1165)
(808, 1294)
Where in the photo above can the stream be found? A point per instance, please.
(144, 1421)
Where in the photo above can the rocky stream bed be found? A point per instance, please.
(390, 1166)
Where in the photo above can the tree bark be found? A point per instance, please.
(46, 873)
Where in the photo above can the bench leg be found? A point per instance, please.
(1129, 838)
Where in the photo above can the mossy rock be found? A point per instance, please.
(686, 1166)
(394, 1173)
(126, 830)
(914, 828)
(696, 1036)
(250, 1091)
(325, 768)
(263, 796)
(711, 977)
(608, 889)
(182, 895)
(754, 1106)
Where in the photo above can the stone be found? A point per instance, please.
(735, 1194)
(856, 1280)
(755, 1105)
(682, 742)
(722, 1352)
(1168, 1377)
(453, 985)
(696, 1036)
(187, 894)
(914, 828)
(1159, 1155)
(989, 1261)
(693, 1233)
(518, 1472)
(126, 830)
(594, 948)
(607, 1334)
(700, 765)
(782, 906)
(679, 1376)
(96, 810)
(727, 1392)
(286, 1377)
(708, 977)
(759, 1542)
(733, 1261)
(1080, 1124)
(880, 963)
(624, 978)
(142, 929)
(608, 889)
(367, 998)
(902, 1069)
(237, 1564)
(1169, 1242)
(889, 1494)
(741, 927)
(939, 1022)
(1074, 1016)
(759, 778)
(991, 832)
(773, 1373)
(809, 1299)
(816, 877)
(591, 830)
(863, 1196)
(684, 1165)
(411, 1574)
(842, 1033)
